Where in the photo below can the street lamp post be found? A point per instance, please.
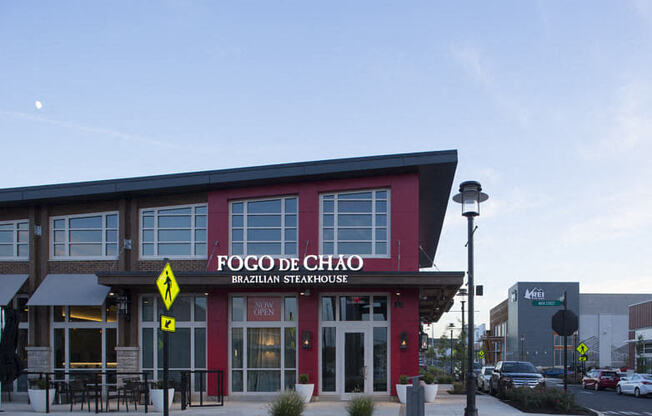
(470, 197)
(451, 327)
(522, 347)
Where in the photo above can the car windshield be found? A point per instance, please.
(488, 370)
(609, 374)
(519, 368)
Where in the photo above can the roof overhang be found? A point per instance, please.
(436, 171)
(436, 289)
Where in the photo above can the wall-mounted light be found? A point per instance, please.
(404, 341)
(306, 340)
(423, 341)
(397, 302)
(123, 306)
(305, 292)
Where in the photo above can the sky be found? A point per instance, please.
(548, 103)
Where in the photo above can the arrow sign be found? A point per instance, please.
(582, 358)
(168, 323)
(582, 349)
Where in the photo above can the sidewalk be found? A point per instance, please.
(445, 405)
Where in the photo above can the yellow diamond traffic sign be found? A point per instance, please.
(167, 323)
(481, 353)
(167, 286)
(582, 348)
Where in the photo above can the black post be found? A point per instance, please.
(47, 393)
(470, 409)
(146, 392)
(166, 365)
(463, 341)
(565, 348)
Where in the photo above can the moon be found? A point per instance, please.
(38, 104)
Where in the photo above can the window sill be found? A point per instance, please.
(84, 258)
(14, 259)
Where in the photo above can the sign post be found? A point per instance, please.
(169, 289)
(565, 323)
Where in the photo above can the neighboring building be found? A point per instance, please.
(604, 327)
(84, 256)
(640, 335)
(522, 331)
(495, 339)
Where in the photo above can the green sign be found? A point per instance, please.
(546, 303)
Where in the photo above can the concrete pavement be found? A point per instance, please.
(445, 405)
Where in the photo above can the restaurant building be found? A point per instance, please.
(302, 268)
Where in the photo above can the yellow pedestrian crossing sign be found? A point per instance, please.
(481, 353)
(167, 286)
(582, 348)
(167, 323)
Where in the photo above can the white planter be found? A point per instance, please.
(401, 391)
(305, 391)
(430, 392)
(156, 395)
(37, 399)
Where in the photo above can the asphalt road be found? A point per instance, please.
(610, 403)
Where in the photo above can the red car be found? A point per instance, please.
(601, 379)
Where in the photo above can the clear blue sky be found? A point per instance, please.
(548, 103)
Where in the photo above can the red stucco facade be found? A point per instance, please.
(404, 237)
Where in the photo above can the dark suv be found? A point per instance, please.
(510, 374)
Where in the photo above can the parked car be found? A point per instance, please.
(484, 378)
(510, 374)
(636, 384)
(600, 379)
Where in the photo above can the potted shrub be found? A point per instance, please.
(304, 389)
(429, 388)
(401, 388)
(288, 403)
(156, 395)
(37, 393)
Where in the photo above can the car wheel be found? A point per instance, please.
(637, 392)
(619, 390)
(596, 387)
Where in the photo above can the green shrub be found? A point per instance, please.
(436, 371)
(288, 403)
(422, 371)
(458, 388)
(444, 379)
(403, 379)
(361, 406)
(303, 378)
(428, 378)
(541, 398)
(40, 384)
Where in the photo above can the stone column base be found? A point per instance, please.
(127, 361)
(38, 360)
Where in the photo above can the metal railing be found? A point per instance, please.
(186, 387)
(98, 386)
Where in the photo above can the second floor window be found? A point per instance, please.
(14, 240)
(355, 223)
(84, 236)
(174, 232)
(267, 226)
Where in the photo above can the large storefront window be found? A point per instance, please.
(84, 338)
(84, 237)
(263, 343)
(188, 341)
(175, 232)
(267, 226)
(355, 223)
(354, 348)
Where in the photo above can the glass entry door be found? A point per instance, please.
(355, 363)
(362, 361)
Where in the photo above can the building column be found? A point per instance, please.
(309, 322)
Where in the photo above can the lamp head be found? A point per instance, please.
(470, 197)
